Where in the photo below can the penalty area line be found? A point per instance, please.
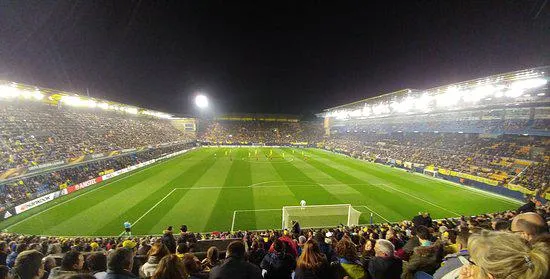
(421, 199)
(150, 209)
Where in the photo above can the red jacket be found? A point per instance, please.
(290, 243)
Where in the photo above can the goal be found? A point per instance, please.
(316, 216)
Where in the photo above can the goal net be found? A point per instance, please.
(313, 216)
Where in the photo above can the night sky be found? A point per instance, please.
(292, 57)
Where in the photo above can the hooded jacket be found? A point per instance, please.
(278, 265)
(149, 267)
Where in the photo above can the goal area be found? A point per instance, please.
(314, 216)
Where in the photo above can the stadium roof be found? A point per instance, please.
(524, 86)
(259, 117)
(13, 90)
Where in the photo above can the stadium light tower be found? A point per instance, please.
(201, 101)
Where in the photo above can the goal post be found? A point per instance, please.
(315, 216)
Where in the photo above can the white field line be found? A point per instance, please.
(76, 197)
(282, 185)
(233, 222)
(421, 199)
(152, 207)
(368, 208)
(476, 190)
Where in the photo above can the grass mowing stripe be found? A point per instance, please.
(314, 195)
(450, 196)
(188, 177)
(233, 199)
(388, 185)
(391, 208)
(50, 215)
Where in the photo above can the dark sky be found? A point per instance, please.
(259, 56)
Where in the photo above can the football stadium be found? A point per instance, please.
(476, 148)
(447, 180)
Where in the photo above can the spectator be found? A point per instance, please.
(384, 264)
(529, 206)
(157, 252)
(119, 264)
(348, 261)
(97, 265)
(301, 241)
(278, 264)
(193, 267)
(10, 260)
(3, 252)
(256, 253)
(529, 225)
(368, 251)
(212, 258)
(422, 238)
(424, 259)
(289, 243)
(71, 263)
(28, 265)
(53, 249)
(49, 264)
(144, 248)
(452, 263)
(169, 240)
(312, 264)
(422, 219)
(324, 247)
(182, 249)
(170, 267)
(500, 255)
(235, 266)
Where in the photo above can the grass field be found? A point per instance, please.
(219, 188)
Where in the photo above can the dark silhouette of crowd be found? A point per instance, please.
(261, 132)
(500, 245)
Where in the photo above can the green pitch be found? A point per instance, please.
(221, 188)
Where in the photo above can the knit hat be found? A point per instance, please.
(129, 244)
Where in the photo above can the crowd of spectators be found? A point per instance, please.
(36, 133)
(16, 191)
(511, 244)
(536, 176)
(493, 158)
(493, 126)
(261, 132)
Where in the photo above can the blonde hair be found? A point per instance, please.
(506, 255)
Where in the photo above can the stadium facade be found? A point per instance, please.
(510, 103)
(514, 105)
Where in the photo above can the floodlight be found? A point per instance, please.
(201, 101)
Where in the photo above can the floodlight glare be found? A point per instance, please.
(201, 101)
